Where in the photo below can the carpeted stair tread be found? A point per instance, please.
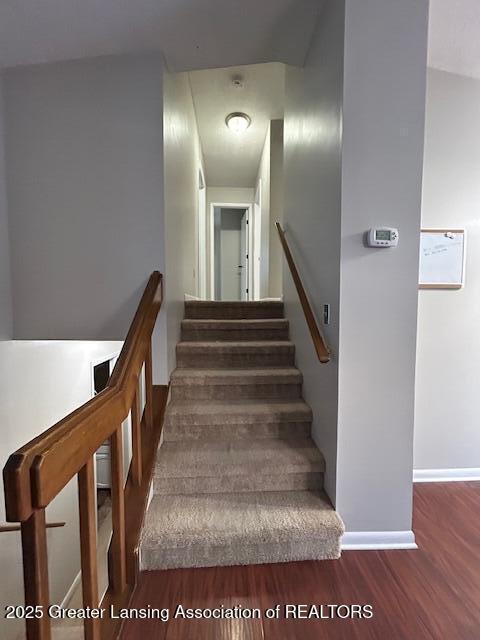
(224, 383)
(191, 376)
(237, 419)
(258, 353)
(208, 412)
(227, 330)
(202, 458)
(239, 528)
(235, 345)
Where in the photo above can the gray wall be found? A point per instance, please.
(448, 352)
(383, 130)
(85, 192)
(312, 141)
(6, 320)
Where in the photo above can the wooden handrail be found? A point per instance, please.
(319, 343)
(36, 473)
(67, 437)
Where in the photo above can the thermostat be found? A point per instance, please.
(383, 237)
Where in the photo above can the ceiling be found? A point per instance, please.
(192, 34)
(232, 159)
(454, 36)
(197, 34)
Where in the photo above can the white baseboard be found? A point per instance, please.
(446, 475)
(73, 587)
(369, 540)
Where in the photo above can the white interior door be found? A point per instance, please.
(230, 255)
(243, 264)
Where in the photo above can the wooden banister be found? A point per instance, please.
(36, 473)
(319, 343)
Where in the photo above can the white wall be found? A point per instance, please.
(383, 130)
(85, 193)
(312, 139)
(56, 379)
(6, 319)
(221, 195)
(183, 159)
(275, 255)
(447, 435)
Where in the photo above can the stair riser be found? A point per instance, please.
(239, 312)
(278, 431)
(191, 358)
(235, 391)
(231, 335)
(240, 483)
(161, 557)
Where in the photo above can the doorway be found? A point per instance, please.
(230, 252)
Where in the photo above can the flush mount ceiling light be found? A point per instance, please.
(238, 121)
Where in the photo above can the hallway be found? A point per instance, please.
(429, 594)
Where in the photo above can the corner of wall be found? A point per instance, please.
(275, 275)
(383, 110)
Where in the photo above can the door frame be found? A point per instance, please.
(201, 237)
(211, 228)
(257, 246)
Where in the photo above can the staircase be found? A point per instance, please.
(238, 480)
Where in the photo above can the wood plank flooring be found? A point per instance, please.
(432, 593)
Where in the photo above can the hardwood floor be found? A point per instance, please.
(432, 593)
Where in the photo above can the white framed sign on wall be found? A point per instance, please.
(442, 259)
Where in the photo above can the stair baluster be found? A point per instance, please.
(88, 537)
(136, 440)
(35, 573)
(117, 564)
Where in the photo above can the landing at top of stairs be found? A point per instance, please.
(232, 310)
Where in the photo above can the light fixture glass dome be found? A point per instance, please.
(238, 121)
